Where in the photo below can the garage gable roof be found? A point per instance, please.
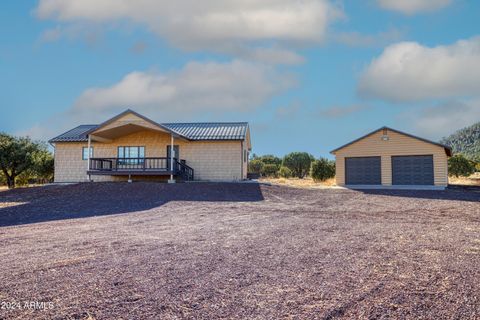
(448, 150)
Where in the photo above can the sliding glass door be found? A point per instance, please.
(131, 155)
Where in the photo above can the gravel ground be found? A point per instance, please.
(206, 251)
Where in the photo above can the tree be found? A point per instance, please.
(298, 163)
(255, 166)
(43, 165)
(270, 170)
(17, 154)
(458, 166)
(271, 159)
(284, 172)
(322, 169)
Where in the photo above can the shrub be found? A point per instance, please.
(458, 166)
(271, 159)
(298, 163)
(270, 170)
(284, 172)
(255, 166)
(322, 169)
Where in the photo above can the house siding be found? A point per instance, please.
(397, 145)
(211, 160)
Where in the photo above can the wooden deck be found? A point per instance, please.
(140, 167)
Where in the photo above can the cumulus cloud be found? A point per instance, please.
(408, 71)
(413, 6)
(439, 121)
(208, 24)
(196, 90)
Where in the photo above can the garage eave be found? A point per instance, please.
(447, 149)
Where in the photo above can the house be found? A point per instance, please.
(389, 158)
(131, 146)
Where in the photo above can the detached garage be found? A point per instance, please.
(393, 159)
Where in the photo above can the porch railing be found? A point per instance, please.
(133, 165)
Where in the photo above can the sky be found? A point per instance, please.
(308, 75)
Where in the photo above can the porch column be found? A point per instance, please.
(88, 157)
(171, 160)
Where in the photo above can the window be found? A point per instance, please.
(131, 155)
(244, 155)
(85, 153)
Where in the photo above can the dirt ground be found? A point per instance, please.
(243, 251)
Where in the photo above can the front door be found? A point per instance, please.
(176, 154)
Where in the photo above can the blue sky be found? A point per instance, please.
(308, 75)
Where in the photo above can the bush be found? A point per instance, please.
(255, 166)
(271, 159)
(477, 167)
(458, 166)
(298, 163)
(284, 172)
(322, 169)
(270, 170)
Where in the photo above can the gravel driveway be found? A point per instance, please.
(205, 251)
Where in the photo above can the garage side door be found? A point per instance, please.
(363, 171)
(412, 170)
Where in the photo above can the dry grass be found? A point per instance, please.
(473, 180)
(300, 183)
(5, 188)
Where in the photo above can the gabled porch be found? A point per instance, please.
(132, 145)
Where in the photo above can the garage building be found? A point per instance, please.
(389, 158)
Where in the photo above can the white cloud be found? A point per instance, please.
(442, 120)
(408, 71)
(197, 88)
(413, 6)
(207, 24)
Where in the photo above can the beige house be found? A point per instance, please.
(131, 146)
(392, 159)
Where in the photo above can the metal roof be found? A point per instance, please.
(448, 150)
(192, 131)
(75, 134)
(210, 130)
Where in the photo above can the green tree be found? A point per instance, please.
(458, 166)
(322, 169)
(298, 163)
(43, 167)
(284, 172)
(17, 155)
(271, 159)
(255, 166)
(270, 170)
